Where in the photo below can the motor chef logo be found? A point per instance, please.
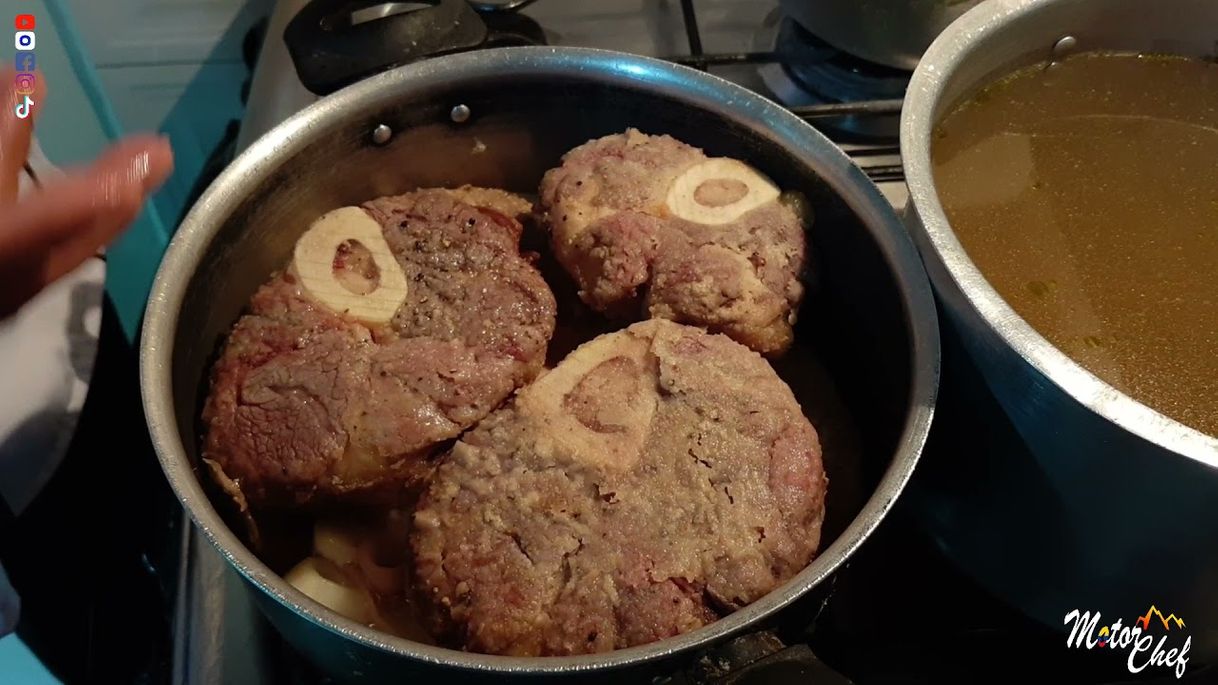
(1152, 640)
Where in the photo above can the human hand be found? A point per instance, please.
(49, 232)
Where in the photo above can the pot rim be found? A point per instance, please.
(653, 76)
(926, 89)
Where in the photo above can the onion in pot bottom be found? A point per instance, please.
(317, 578)
(382, 580)
(335, 542)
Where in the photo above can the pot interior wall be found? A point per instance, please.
(1116, 25)
(853, 321)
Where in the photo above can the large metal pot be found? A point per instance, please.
(1099, 501)
(501, 118)
(889, 32)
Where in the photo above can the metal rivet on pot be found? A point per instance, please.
(460, 114)
(1064, 46)
(381, 134)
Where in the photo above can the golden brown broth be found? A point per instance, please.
(1087, 193)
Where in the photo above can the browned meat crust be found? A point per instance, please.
(605, 207)
(309, 406)
(657, 478)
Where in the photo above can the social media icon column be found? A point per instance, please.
(24, 41)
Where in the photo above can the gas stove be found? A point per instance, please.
(749, 42)
(901, 611)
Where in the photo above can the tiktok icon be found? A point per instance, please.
(25, 107)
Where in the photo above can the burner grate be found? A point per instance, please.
(881, 172)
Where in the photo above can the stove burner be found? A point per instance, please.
(812, 72)
(333, 44)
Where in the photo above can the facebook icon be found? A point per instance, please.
(25, 61)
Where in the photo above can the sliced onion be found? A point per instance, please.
(310, 577)
(383, 580)
(339, 544)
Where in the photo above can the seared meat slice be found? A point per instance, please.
(308, 404)
(657, 478)
(650, 227)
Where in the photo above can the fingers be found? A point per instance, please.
(122, 203)
(15, 132)
(91, 204)
(123, 179)
(50, 232)
(84, 242)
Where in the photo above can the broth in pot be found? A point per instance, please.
(1086, 191)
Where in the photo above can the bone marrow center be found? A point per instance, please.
(354, 268)
(719, 192)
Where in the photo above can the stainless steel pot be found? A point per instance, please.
(1100, 501)
(890, 32)
(501, 118)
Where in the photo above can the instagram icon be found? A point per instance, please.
(25, 84)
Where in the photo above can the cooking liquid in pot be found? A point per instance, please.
(1087, 193)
